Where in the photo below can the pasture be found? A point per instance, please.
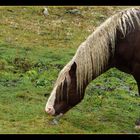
(33, 50)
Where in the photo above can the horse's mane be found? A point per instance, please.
(92, 56)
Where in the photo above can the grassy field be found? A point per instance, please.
(33, 49)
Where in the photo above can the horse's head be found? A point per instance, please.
(64, 95)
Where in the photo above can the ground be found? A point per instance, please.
(33, 50)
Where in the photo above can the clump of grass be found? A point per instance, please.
(23, 64)
(3, 64)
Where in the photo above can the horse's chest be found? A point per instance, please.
(128, 52)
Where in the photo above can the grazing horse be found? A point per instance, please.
(115, 43)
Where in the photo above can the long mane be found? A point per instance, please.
(92, 56)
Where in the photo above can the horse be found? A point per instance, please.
(115, 43)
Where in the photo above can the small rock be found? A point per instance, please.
(137, 127)
(137, 123)
(45, 12)
(74, 11)
(10, 10)
(54, 122)
(56, 119)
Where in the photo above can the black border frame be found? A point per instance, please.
(71, 3)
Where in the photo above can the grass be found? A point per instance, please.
(33, 49)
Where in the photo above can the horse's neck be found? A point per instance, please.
(86, 81)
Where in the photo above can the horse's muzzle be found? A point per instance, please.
(50, 110)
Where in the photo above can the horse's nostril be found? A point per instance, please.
(49, 109)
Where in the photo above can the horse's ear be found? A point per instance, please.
(73, 69)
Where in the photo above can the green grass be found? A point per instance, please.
(33, 50)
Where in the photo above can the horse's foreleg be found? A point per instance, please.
(138, 83)
(137, 123)
(136, 74)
